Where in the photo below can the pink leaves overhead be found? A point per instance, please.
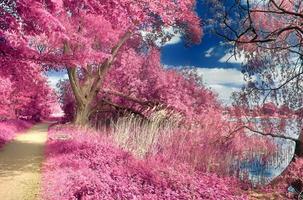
(67, 32)
(91, 35)
(274, 24)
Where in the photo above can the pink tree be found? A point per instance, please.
(270, 34)
(25, 92)
(87, 35)
(138, 83)
(5, 90)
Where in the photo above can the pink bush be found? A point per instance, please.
(9, 129)
(83, 165)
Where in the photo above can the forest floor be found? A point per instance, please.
(263, 196)
(20, 164)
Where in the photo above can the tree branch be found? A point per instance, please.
(105, 66)
(124, 108)
(136, 100)
(262, 133)
(286, 11)
(283, 84)
(74, 82)
(109, 61)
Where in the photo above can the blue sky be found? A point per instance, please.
(211, 58)
(210, 53)
(178, 54)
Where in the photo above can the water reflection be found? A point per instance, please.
(260, 171)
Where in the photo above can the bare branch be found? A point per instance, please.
(283, 84)
(124, 108)
(136, 100)
(262, 133)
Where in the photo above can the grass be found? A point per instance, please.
(141, 136)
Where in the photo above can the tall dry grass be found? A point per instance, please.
(203, 146)
(141, 136)
(167, 137)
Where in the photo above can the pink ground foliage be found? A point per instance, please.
(83, 165)
(9, 129)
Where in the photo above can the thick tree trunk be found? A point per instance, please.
(81, 117)
(82, 114)
(87, 91)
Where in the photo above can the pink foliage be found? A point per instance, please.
(269, 109)
(24, 92)
(5, 91)
(294, 171)
(70, 34)
(142, 76)
(85, 165)
(213, 146)
(270, 17)
(73, 33)
(146, 79)
(285, 110)
(9, 129)
(90, 35)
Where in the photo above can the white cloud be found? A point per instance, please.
(174, 40)
(209, 52)
(224, 92)
(221, 76)
(222, 81)
(254, 2)
(229, 57)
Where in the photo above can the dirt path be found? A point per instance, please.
(20, 163)
(264, 196)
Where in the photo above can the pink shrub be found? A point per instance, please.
(9, 129)
(83, 165)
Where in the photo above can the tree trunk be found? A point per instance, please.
(83, 103)
(87, 91)
(299, 146)
(81, 117)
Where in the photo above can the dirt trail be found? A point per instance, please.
(20, 164)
